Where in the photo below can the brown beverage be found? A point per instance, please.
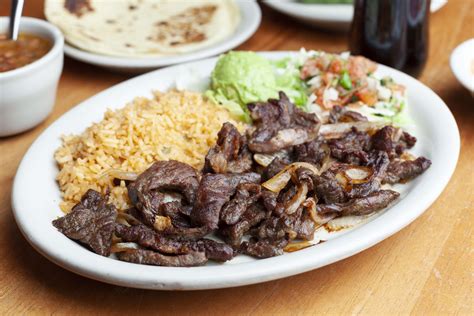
(392, 32)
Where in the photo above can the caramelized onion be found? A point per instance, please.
(297, 199)
(265, 159)
(318, 219)
(123, 246)
(295, 246)
(345, 222)
(358, 174)
(280, 180)
(127, 219)
(354, 175)
(339, 129)
(119, 174)
(162, 223)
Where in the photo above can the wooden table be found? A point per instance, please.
(424, 269)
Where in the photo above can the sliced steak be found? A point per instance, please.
(263, 248)
(246, 195)
(378, 164)
(148, 192)
(269, 200)
(403, 171)
(178, 213)
(214, 191)
(149, 238)
(149, 257)
(91, 222)
(392, 140)
(234, 233)
(313, 152)
(277, 165)
(328, 189)
(279, 125)
(351, 148)
(360, 206)
(214, 250)
(230, 154)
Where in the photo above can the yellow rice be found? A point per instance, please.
(174, 125)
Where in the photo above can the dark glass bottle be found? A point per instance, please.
(392, 32)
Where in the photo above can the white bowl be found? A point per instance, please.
(27, 94)
(461, 61)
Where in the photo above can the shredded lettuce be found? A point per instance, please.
(287, 72)
(234, 108)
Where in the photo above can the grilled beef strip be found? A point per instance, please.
(402, 171)
(361, 206)
(392, 140)
(352, 148)
(233, 234)
(246, 195)
(279, 125)
(230, 154)
(263, 248)
(148, 238)
(313, 152)
(142, 256)
(147, 192)
(214, 191)
(91, 222)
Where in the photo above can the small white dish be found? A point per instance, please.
(36, 196)
(28, 93)
(250, 20)
(330, 16)
(462, 64)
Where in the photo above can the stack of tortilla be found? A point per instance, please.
(143, 28)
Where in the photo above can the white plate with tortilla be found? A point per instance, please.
(329, 16)
(131, 36)
(36, 196)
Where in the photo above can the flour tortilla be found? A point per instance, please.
(143, 28)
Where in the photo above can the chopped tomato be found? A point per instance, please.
(336, 66)
(367, 96)
(359, 67)
(314, 66)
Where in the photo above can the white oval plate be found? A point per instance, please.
(462, 64)
(36, 196)
(250, 20)
(331, 16)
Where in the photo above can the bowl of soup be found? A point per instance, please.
(30, 68)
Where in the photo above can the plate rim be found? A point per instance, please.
(329, 15)
(222, 276)
(250, 26)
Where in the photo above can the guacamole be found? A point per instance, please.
(242, 77)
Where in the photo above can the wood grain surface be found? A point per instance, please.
(426, 269)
